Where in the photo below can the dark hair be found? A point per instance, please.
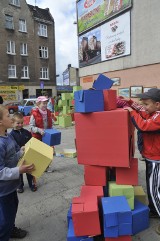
(1, 100)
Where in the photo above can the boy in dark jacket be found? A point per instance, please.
(22, 136)
(146, 118)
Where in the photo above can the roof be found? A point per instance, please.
(41, 13)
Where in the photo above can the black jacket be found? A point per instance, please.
(21, 136)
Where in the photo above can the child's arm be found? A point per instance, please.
(8, 171)
(150, 124)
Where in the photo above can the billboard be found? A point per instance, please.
(93, 12)
(115, 37)
(66, 77)
(90, 48)
(111, 40)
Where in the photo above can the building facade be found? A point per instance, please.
(27, 50)
(121, 42)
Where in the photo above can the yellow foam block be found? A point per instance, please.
(140, 195)
(38, 153)
(70, 152)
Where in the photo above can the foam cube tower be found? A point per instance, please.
(104, 138)
(88, 101)
(71, 235)
(140, 217)
(128, 176)
(102, 82)
(122, 190)
(117, 217)
(95, 175)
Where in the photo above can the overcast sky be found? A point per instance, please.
(64, 14)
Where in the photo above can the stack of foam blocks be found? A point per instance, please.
(111, 205)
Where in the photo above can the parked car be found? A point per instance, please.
(12, 107)
(26, 106)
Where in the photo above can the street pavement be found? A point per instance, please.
(43, 213)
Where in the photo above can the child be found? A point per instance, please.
(41, 119)
(9, 179)
(22, 136)
(147, 121)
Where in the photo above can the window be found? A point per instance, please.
(22, 25)
(23, 49)
(44, 73)
(11, 47)
(15, 2)
(43, 52)
(42, 30)
(25, 72)
(9, 22)
(12, 71)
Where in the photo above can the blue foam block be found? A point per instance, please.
(52, 137)
(71, 236)
(102, 83)
(140, 217)
(89, 101)
(117, 216)
(69, 215)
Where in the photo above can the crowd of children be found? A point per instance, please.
(145, 117)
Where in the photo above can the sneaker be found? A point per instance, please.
(48, 170)
(153, 215)
(20, 190)
(33, 188)
(18, 233)
(158, 229)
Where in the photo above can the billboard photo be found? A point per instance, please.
(92, 12)
(115, 37)
(90, 48)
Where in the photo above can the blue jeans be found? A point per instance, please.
(8, 210)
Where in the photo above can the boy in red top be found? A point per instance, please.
(146, 118)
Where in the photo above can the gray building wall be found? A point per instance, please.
(33, 61)
(145, 41)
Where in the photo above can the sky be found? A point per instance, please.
(64, 14)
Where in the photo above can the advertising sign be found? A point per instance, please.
(115, 36)
(90, 47)
(66, 77)
(8, 95)
(92, 12)
(111, 40)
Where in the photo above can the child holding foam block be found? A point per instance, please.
(41, 119)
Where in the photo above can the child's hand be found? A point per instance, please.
(23, 148)
(128, 108)
(26, 168)
(42, 132)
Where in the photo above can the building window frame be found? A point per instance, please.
(9, 21)
(25, 72)
(12, 74)
(42, 30)
(22, 25)
(11, 49)
(43, 52)
(15, 2)
(23, 49)
(44, 73)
